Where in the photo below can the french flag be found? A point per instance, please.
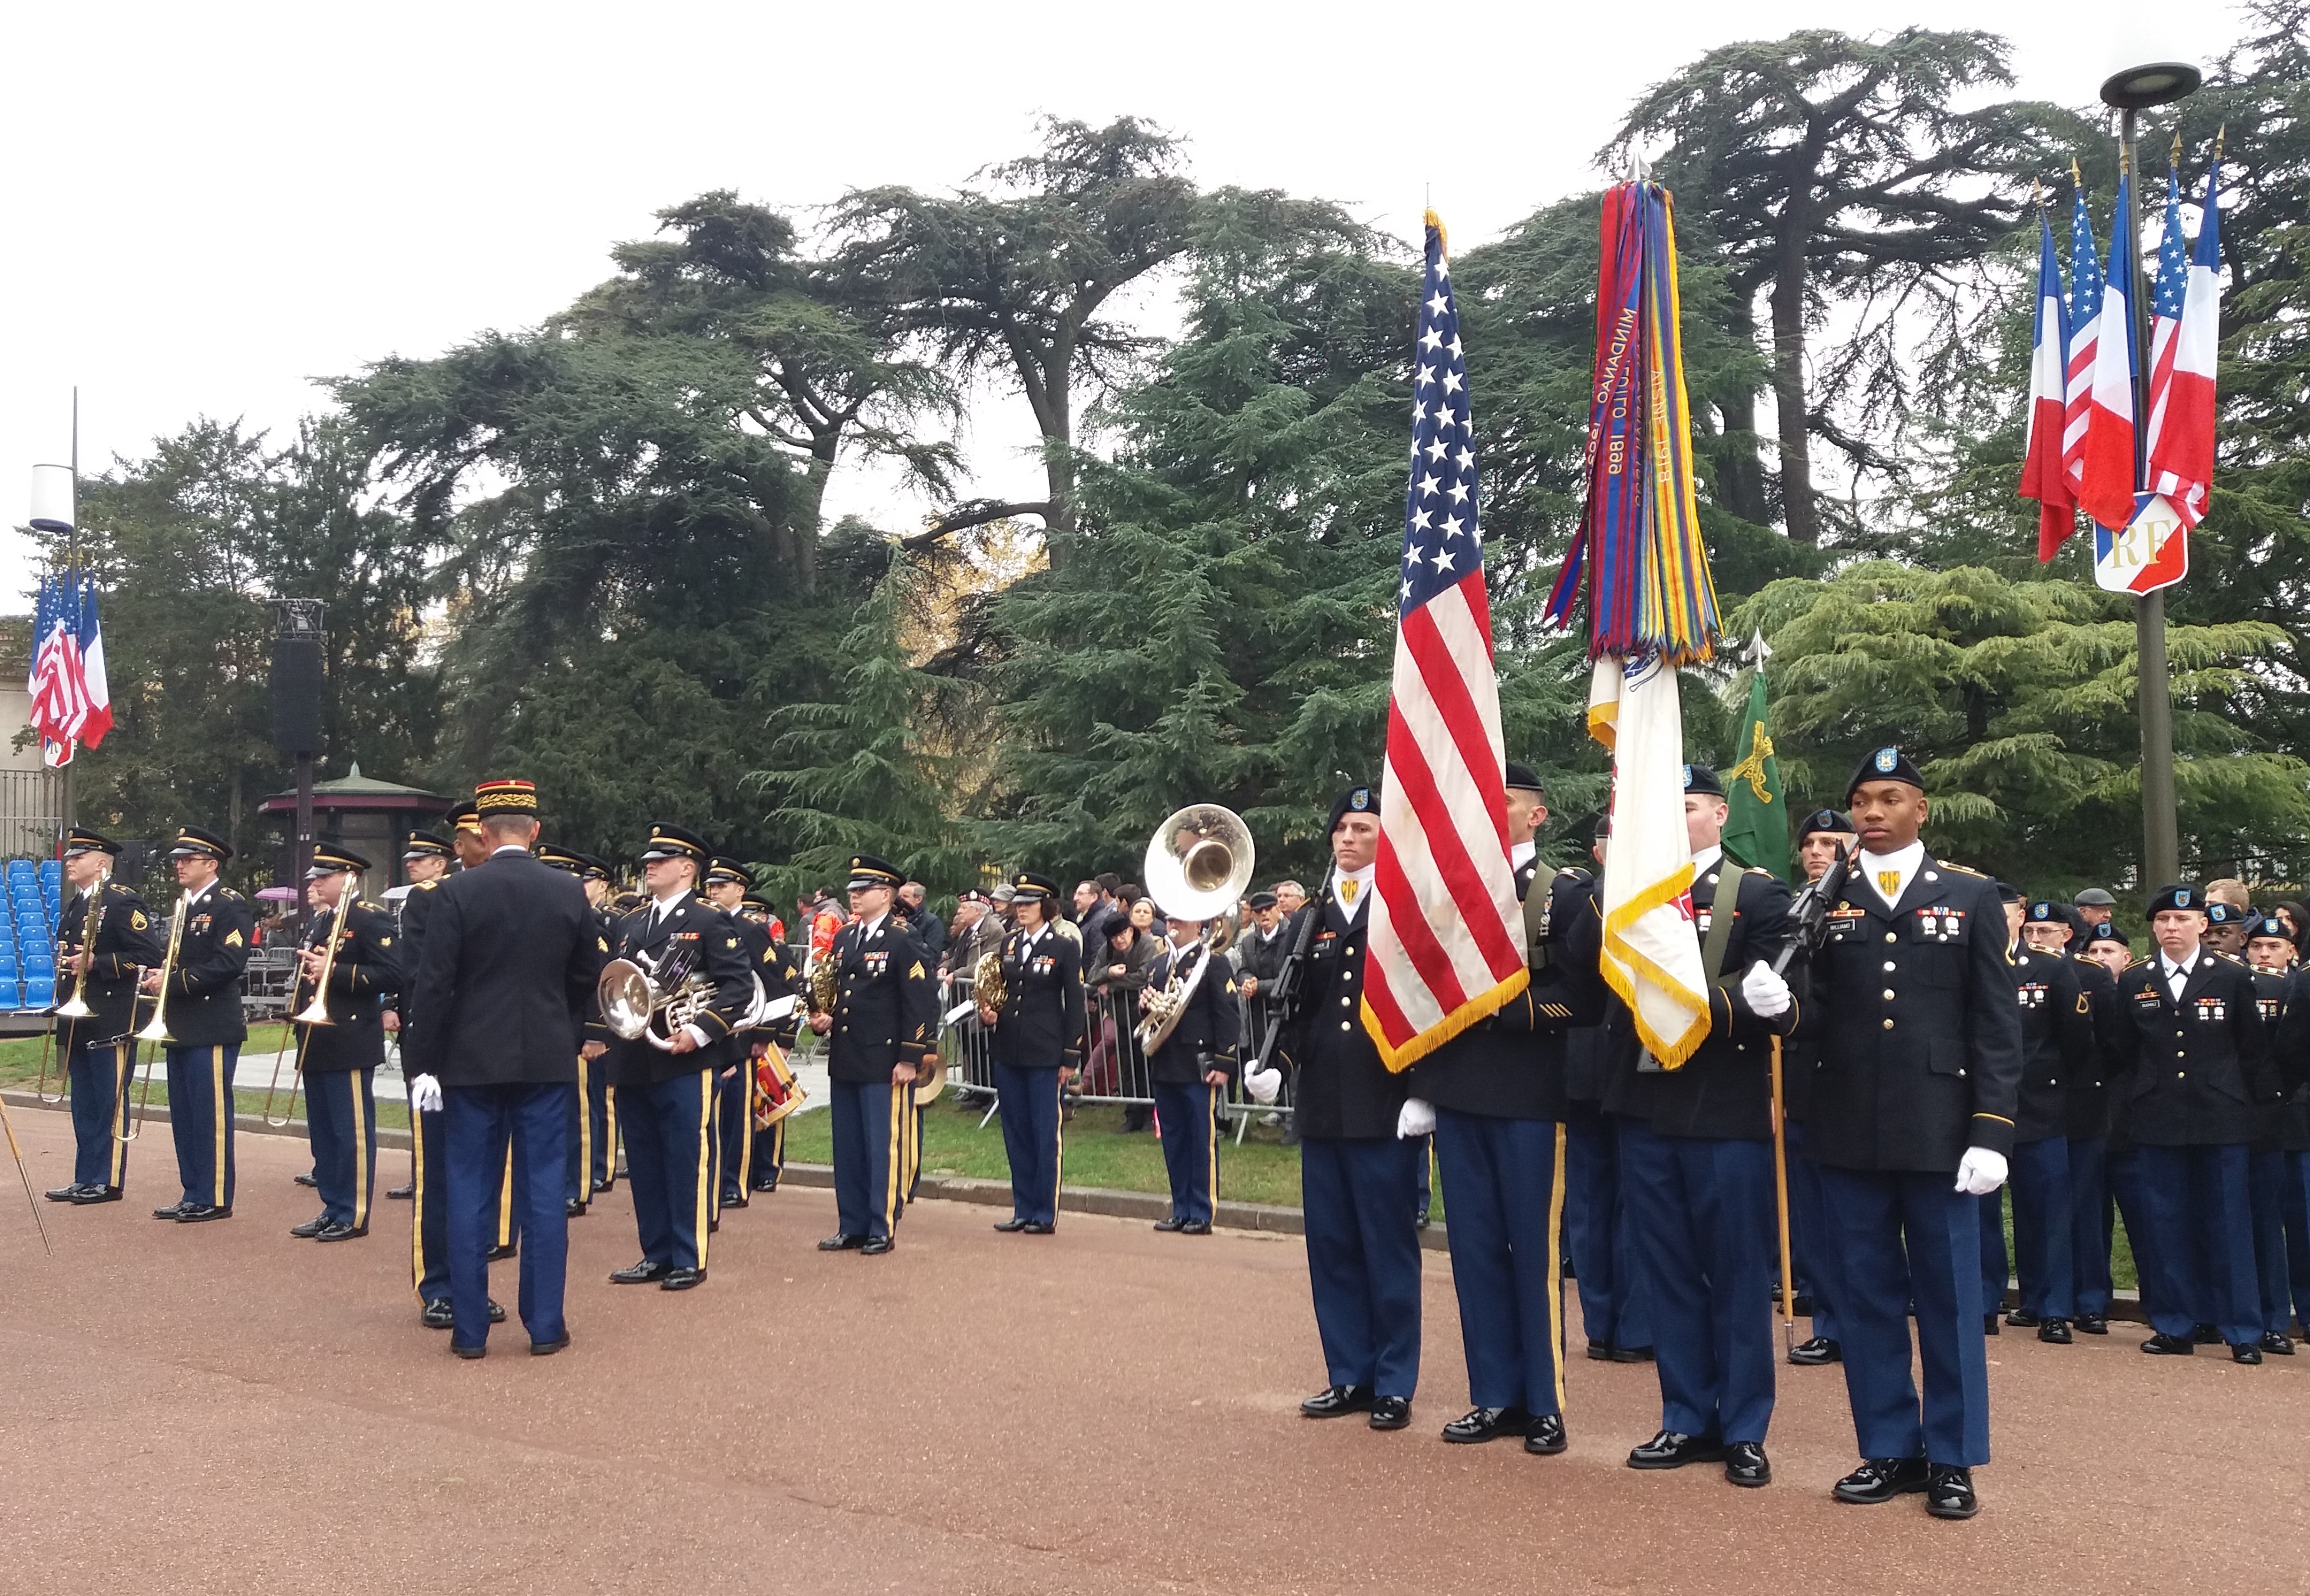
(2182, 343)
(2042, 476)
(2110, 475)
(2085, 325)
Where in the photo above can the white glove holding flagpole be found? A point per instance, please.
(424, 1094)
(1417, 1119)
(1980, 1172)
(1765, 993)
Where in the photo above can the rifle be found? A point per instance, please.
(1294, 971)
(1808, 928)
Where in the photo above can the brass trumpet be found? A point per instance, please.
(73, 1007)
(156, 1029)
(316, 1012)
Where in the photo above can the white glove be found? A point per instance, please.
(1767, 996)
(424, 1094)
(1417, 1119)
(1263, 1085)
(1980, 1172)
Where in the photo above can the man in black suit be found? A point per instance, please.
(1696, 1139)
(880, 1035)
(201, 1006)
(665, 1082)
(104, 938)
(340, 1059)
(510, 956)
(1039, 1039)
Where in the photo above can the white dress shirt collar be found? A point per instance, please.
(1901, 864)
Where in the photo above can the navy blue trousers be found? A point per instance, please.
(1189, 1117)
(669, 1163)
(769, 1156)
(2266, 1193)
(872, 1141)
(1812, 1257)
(1504, 1192)
(2044, 1233)
(2194, 1203)
(100, 1100)
(1900, 1237)
(2295, 1195)
(1596, 1231)
(2089, 1238)
(476, 1122)
(1706, 1242)
(2164, 1290)
(602, 1121)
(1423, 1201)
(429, 1222)
(1363, 1258)
(1031, 1141)
(341, 1119)
(734, 1135)
(577, 1170)
(200, 1120)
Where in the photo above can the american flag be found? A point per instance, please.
(1447, 944)
(72, 701)
(2184, 339)
(2085, 335)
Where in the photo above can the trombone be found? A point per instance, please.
(316, 1012)
(156, 1030)
(73, 1007)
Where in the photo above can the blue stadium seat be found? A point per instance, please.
(40, 992)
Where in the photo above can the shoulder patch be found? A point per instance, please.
(915, 974)
(425, 886)
(2138, 963)
(1963, 870)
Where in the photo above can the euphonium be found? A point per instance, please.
(635, 993)
(1198, 863)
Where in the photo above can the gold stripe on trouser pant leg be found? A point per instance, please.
(585, 1136)
(609, 1138)
(894, 1165)
(360, 1152)
(220, 1100)
(416, 1208)
(745, 1132)
(124, 1069)
(1556, 1261)
(505, 1201)
(1211, 1176)
(1058, 1142)
(705, 1160)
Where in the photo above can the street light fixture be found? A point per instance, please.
(2160, 83)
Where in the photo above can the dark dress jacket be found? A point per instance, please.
(510, 954)
(2195, 1072)
(125, 946)
(886, 1003)
(201, 1007)
(1040, 1025)
(1342, 1090)
(1210, 1026)
(2088, 1109)
(367, 973)
(698, 939)
(2058, 1043)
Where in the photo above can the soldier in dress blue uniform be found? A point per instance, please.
(1595, 1199)
(578, 1193)
(1911, 1122)
(768, 1159)
(2284, 1133)
(1037, 1046)
(666, 1094)
(340, 1059)
(1697, 1146)
(727, 884)
(2195, 1072)
(2058, 1046)
(104, 938)
(425, 859)
(1823, 836)
(1356, 1173)
(1494, 1093)
(880, 1035)
(1190, 1073)
(600, 1092)
(2058, 930)
(201, 1009)
(2100, 1157)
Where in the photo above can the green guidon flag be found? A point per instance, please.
(1757, 830)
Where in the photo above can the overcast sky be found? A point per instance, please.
(211, 206)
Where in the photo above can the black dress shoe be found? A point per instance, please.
(734, 1199)
(573, 1209)
(1672, 1449)
(497, 1311)
(1486, 1424)
(1745, 1464)
(1815, 1352)
(198, 1213)
(1602, 1352)
(1632, 1355)
(1989, 1325)
(874, 1246)
(2055, 1333)
(66, 1193)
(169, 1212)
(402, 1193)
(1196, 1228)
(600, 1186)
(1949, 1492)
(1168, 1227)
(1545, 1437)
(1014, 1224)
(437, 1314)
(2092, 1324)
(89, 1194)
(499, 1255)
(548, 1348)
(2278, 1344)
(340, 1232)
(2205, 1335)
(713, 1227)
(2245, 1352)
(2162, 1345)
(1421, 1223)
(1035, 1228)
(771, 1184)
(1391, 1413)
(469, 1351)
(843, 1242)
(306, 1180)
(640, 1274)
(310, 1228)
(681, 1279)
(1336, 1401)
(2021, 1319)
(1881, 1479)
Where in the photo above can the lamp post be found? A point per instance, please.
(56, 512)
(2129, 92)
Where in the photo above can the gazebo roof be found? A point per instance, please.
(353, 790)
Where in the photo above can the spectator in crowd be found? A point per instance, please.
(1118, 971)
(929, 929)
(1259, 955)
(1142, 916)
(1290, 896)
(2295, 916)
(1086, 901)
